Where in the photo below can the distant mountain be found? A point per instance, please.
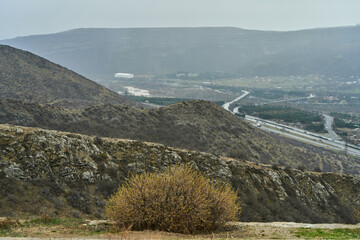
(194, 125)
(103, 52)
(25, 76)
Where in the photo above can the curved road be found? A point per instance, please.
(227, 105)
(328, 126)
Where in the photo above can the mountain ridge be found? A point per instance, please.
(98, 52)
(28, 77)
(195, 125)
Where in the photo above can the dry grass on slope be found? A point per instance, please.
(28, 77)
(194, 125)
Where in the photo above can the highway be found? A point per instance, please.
(287, 100)
(227, 105)
(305, 136)
(334, 143)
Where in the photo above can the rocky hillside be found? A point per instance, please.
(25, 76)
(66, 174)
(100, 52)
(194, 125)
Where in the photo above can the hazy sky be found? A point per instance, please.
(27, 17)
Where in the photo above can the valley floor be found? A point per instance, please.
(77, 229)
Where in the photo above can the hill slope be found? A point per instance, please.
(103, 52)
(195, 125)
(66, 174)
(25, 76)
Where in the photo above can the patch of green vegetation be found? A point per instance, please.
(339, 123)
(68, 225)
(4, 232)
(277, 94)
(312, 121)
(339, 233)
(10, 233)
(315, 127)
(339, 120)
(341, 115)
(283, 113)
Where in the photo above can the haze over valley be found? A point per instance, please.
(268, 111)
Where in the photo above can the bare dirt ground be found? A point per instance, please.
(284, 230)
(236, 230)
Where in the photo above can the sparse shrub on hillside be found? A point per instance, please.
(107, 188)
(301, 168)
(6, 223)
(80, 201)
(288, 170)
(180, 199)
(98, 141)
(44, 218)
(238, 153)
(275, 167)
(99, 158)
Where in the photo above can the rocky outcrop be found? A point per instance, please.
(58, 173)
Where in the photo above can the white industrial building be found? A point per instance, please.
(124, 75)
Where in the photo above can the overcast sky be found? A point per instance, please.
(28, 17)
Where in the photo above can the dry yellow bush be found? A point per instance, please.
(6, 223)
(180, 199)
